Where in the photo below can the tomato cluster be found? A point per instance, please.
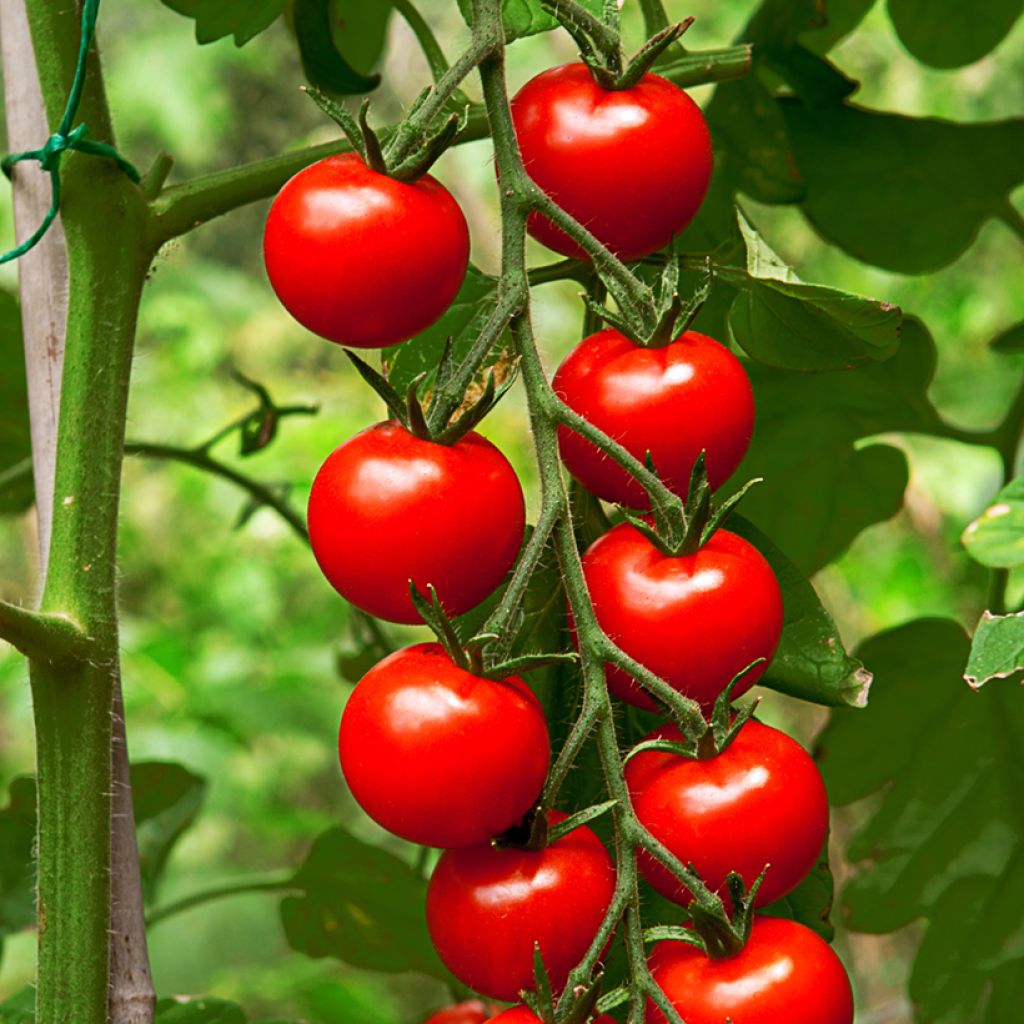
(443, 753)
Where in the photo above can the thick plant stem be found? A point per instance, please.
(104, 221)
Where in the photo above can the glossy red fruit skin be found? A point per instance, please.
(523, 1015)
(386, 506)
(675, 401)
(360, 258)
(762, 801)
(694, 620)
(486, 908)
(632, 165)
(784, 973)
(472, 1011)
(438, 755)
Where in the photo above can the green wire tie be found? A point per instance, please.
(65, 138)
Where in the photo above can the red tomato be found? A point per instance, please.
(694, 620)
(673, 402)
(438, 755)
(472, 1011)
(387, 506)
(360, 258)
(487, 907)
(784, 973)
(760, 802)
(632, 165)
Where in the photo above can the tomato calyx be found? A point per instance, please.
(428, 146)
(472, 655)
(409, 411)
(535, 832)
(541, 1000)
(600, 45)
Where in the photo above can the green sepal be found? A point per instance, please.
(431, 612)
(680, 749)
(563, 828)
(642, 61)
(391, 398)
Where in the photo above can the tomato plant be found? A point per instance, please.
(696, 620)
(487, 908)
(759, 804)
(674, 402)
(587, 146)
(470, 1011)
(337, 246)
(439, 755)
(785, 972)
(387, 507)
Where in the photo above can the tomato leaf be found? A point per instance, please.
(525, 17)
(198, 1010)
(316, 24)
(462, 322)
(781, 321)
(242, 19)
(17, 869)
(811, 662)
(19, 1008)
(944, 836)
(821, 486)
(996, 537)
(810, 903)
(1011, 341)
(167, 798)
(865, 196)
(949, 33)
(362, 905)
(16, 486)
(997, 650)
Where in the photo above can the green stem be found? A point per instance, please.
(104, 217)
(275, 882)
(654, 17)
(201, 459)
(436, 59)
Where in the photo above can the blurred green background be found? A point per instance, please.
(230, 636)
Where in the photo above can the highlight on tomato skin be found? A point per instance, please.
(387, 506)
(761, 802)
(696, 620)
(363, 259)
(440, 756)
(674, 402)
(488, 907)
(785, 973)
(631, 165)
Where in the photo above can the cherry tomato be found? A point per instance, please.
(675, 401)
(632, 165)
(784, 973)
(487, 907)
(360, 258)
(760, 802)
(472, 1011)
(387, 506)
(694, 620)
(438, 755)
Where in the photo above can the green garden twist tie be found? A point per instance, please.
(65, 138)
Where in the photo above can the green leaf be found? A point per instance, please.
(821, 487)
(997, 650)
(16, 487)
(950, 33)
(783, 322)
(462, 322)
(996, 537)
(525, 17)
(867, 194)
(242, 19)
(1010, 341)
(362, 905)
(810, 903)
(19, 1008)
(198, 1010)
(17, 869)
(944, 837)
(360, 31)
(841, 18)
(325, 67)
(166, 799)
(811, 662)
